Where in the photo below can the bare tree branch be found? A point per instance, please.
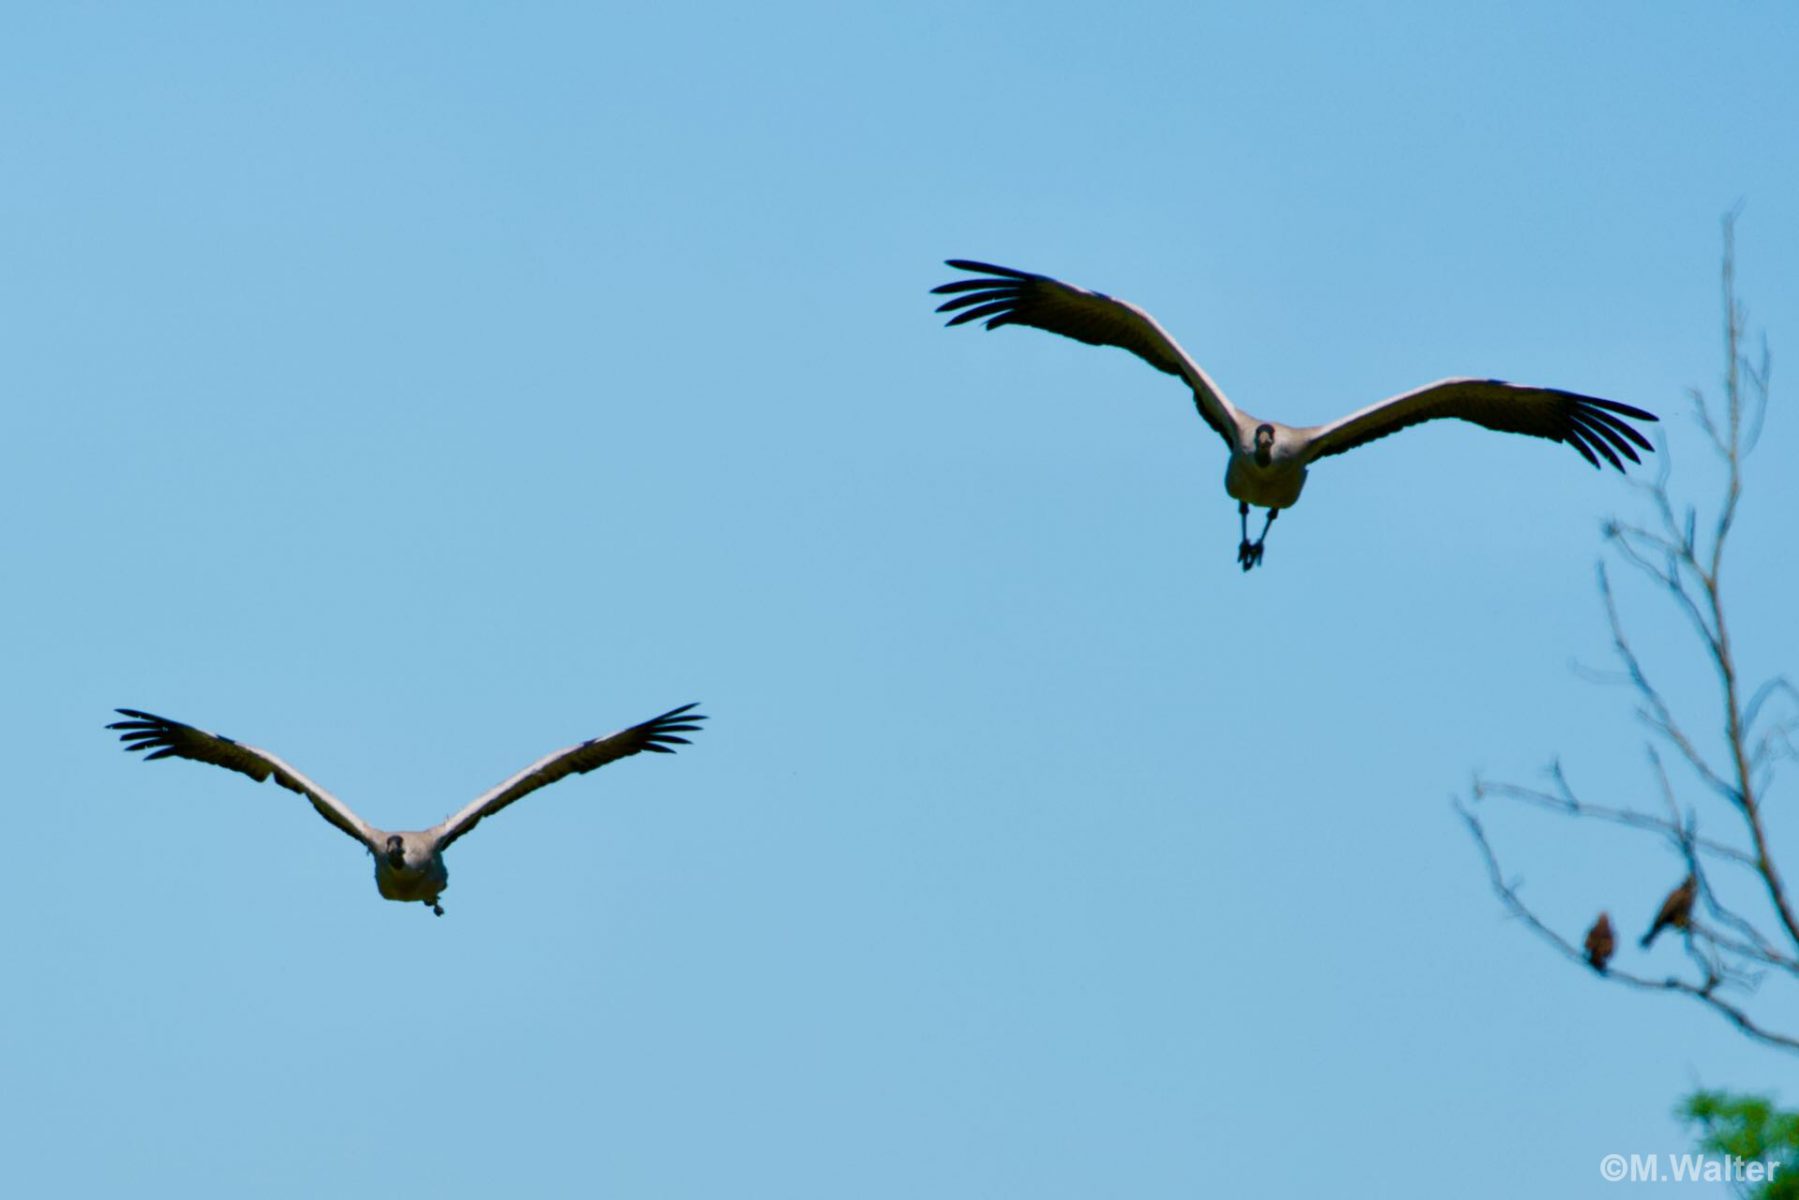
(1705, 992)
(1564, 801)
(1735, 949)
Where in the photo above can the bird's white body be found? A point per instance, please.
(1275, 484)
(421, 877)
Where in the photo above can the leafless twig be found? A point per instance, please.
(1705, 991)
(1734, 949)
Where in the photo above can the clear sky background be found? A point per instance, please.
(414, 389)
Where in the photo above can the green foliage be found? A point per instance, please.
(1751, 1128)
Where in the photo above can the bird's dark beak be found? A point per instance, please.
(396, 853)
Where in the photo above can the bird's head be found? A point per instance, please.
(1264, 444)
(396, 852)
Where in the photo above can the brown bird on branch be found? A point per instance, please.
(1600, 943)
(1677, 909)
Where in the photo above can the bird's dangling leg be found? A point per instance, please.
(1250, 554)
(1244, 549)
(436, 907)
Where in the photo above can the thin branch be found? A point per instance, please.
(1705, 993)
(1731, 951)
(1657, 715)
(1778, 686)
(1736, 731)
(1569, 805)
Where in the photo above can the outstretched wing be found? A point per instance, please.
(163, 738)
(659, 735)
(1007, 297)
(1595, 428)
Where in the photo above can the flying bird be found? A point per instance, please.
(1268, 460)
(1676, 910)
(408, 865)
(1600, 943)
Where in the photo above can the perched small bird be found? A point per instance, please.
(408, 866)
(1676, 910)
(1600, 943)
(1268, 460)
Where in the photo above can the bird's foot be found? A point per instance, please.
(1249, 554)
(437, 908)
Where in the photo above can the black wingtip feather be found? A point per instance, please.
(971, 285)
(1594, 438)
(1573, 439)
(985, 296)
(1610, 431)
(969, 264)
(1617, 426)
(1625, 410)
(1614, 431)
(1001, 311)
(662, 733)
(144, 731)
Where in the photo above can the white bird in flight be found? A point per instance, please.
(409, 865)
(1268, 460)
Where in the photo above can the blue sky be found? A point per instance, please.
(412, 390)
